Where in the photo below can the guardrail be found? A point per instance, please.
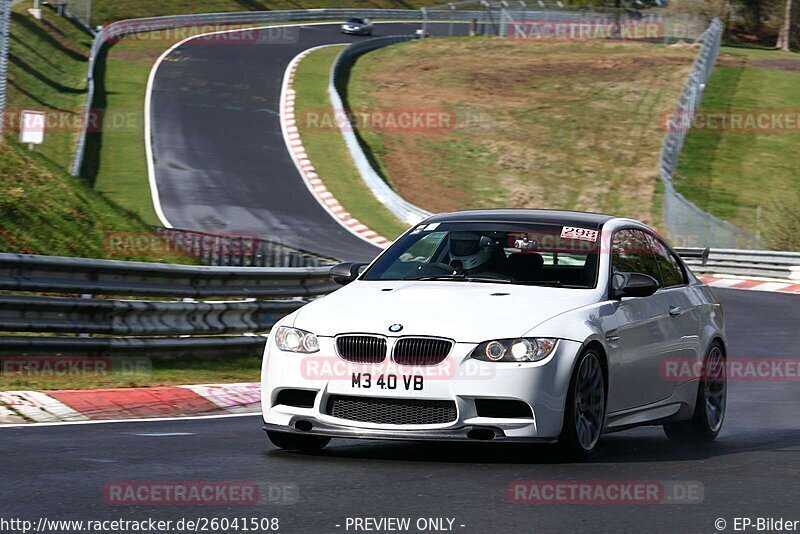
(53, 274)
(683, 218)
(746, 263)
(214, 326)
(340, 75)
(173, 328)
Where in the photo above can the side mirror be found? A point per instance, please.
(633, 285)
(344, 273)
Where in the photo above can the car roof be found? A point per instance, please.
(557, 217)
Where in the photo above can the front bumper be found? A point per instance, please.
(541, 385)
(465, 433)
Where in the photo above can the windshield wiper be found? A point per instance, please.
(461, 278)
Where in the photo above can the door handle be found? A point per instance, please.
(674, 311)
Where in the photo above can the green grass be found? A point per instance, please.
(536, 125)
(47, 72)
(731, 172)
(173, 372)
(105, 11)
(43, 210)
(116, 162)
(327, 149)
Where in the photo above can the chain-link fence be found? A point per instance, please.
(688, 224)
(5, 37)
(239, 250)
(80, 11)
(536, 19)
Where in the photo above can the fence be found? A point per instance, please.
(688, 224)
(265, 295)
(539, 19)
(173, 328)
(5, 38)
(746, 263)
(239, 250)
(80, 11)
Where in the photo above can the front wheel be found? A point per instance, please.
(585, 410)
(297, 442)
(709, 408)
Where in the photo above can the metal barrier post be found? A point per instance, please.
(5, 37)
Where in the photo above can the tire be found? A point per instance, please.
(297, 442)
(710, 404)
(584, 412)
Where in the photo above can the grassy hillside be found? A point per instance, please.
(732, 171)
(105, 11)
(533, 124)
(43, 210)
(47, 71)
(115, 160)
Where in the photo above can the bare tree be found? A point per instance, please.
(784, 37)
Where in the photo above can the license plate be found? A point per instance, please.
(387, 382)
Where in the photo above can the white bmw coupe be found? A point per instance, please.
(503, 325)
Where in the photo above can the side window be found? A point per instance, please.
(671, 272)
(631, 253)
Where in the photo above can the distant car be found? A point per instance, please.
(502, 325)
(357, 26)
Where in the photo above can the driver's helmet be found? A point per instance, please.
(470, 248)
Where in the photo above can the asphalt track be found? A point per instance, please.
(220, 159)
(751, 471)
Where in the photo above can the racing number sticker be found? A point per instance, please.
(568, 232)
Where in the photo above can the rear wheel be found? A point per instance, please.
(709, 409)
(585, 410)
(297, 442)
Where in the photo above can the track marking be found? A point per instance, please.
(161, 434)
(148, 142)
(140, 420)
(304, 167)
(38, 407)
(774, 286)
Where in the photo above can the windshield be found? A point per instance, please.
(355, 21)
(510, 253)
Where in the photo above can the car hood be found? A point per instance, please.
(464, 311)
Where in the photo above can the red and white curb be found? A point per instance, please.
(307, 170)
(752, 285)
(128, 403)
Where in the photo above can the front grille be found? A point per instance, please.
(361, 349)
(421, 350)
(391, 411)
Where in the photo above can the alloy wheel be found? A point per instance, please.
(589, 402)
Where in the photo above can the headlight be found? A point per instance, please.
(296, 340)
(514, 350)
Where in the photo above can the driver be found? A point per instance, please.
(471, 251)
